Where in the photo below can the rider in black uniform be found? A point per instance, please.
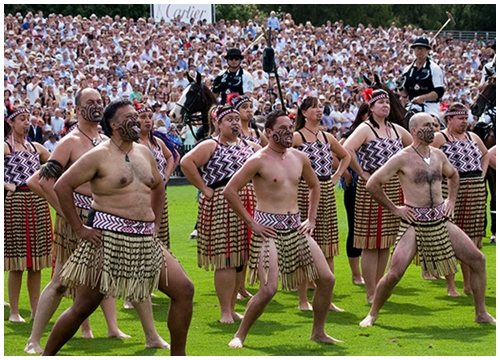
(422, 81)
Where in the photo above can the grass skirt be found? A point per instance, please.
(295, 262)
(164, 233)
(374, 226)
(470, 207)
(435, 253)
(65, 238)
(27, 232)
(326, 232)
(124, 266)
(223, 238)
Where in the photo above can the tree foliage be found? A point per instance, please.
(468, 17)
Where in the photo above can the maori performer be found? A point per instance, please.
(249, 131)
(223, 238)
(164, 161)
(425, 228)
(27, 223)
(282, 246)
(320, 148)
(119, 255)
(375, 228)
(468, 155)
(83, 138)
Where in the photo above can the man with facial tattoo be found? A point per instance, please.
(281, 246)
(89, 110)
(425, 228)
(119, 255)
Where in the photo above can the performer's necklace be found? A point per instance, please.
(127, 159)
(426, 159)
(94, 141)
(279, 152)
(315, 135)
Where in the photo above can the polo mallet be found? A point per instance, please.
(450, 18)
(257, 39)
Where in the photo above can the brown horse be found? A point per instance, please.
(193, 106)
(486, 104)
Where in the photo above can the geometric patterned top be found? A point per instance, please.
(161, 162)
(20, 165)
(252, 139)
(464, 155)
(225, 162)
(319, 154)
(375, 153)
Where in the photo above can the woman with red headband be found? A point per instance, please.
(223, 238)
(27, 223)
(467, 153)
(375, 228)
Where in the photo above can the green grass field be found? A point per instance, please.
(419, 319)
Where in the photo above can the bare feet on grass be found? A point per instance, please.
(244, 294)
(485, 318)
(16, 318)
(358, 280)
(236, 343)
(230, 318)
(334, 307)
(368, 321)
(33, 348)
(87, 334)
(453, 293)
(118, 334)
(305, 307)
(157, 343)
(324, 338)
(468, 291)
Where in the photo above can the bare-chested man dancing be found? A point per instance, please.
(424, 224)
(281, 246)
(119, 256)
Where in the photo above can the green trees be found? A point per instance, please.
(472, 17)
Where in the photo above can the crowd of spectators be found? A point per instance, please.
(47, 58)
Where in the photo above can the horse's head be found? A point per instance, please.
(398, 112)
(487, 95)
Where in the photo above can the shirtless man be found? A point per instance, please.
(275, 172)
(425, 214)
(89, 110)
(127, 206)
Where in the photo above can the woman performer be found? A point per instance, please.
(348, 182)
(244, 106)
(469, 156)
(375, 229)
(320, 147)
(27, 222)
(222, 236)
(164, 161)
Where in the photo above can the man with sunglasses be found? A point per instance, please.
(234, 79)
(422, 81)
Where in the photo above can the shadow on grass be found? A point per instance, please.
(106, 346)
(470, 334)
(262, 327)
(318, 349)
